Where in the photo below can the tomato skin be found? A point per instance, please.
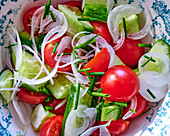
(49, 55)
(73, 3)
(27, 18)
(54, 103)
(52, 126)
(121, 82)
(100, 62)
(102, 29)
(31, 98)
(116, 127)
(142, 105)
(129, 52)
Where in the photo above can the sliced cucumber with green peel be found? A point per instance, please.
(75, 25)
(39, 116)
(132, 24)
(60, 88)
(117, 61)
(5, 83)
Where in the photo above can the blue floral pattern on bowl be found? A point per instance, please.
(155, 122)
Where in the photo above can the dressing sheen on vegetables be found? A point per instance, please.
(81, 69)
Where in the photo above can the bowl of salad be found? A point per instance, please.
(84, 68)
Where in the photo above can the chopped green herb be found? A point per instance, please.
(91, 87)
(77, 96)
(96, 73)
(87, 19)
(11, 45)
(145, 112)
(68, 53)
(82, 61)
(124, 26)
(47, 108)
(144, 45)
(132, 111)
(116, 103)
(48, 99)
(100, 90)
(46, 9)
(55, 47)
(114, 108)
(83, 70)
(52, 16)
(43, 90)
(74, 57)
(86, 43)
(100, 94)
(149, 57)
(147, 61)
(99, 110)
(151, 94)
(88, 75)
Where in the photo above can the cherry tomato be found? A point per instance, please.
(121, 82)
(116, 127)
(95, 133)
(54, 103)
(30, 97)
(27, 18)
(52, 126)
(142, 105)
(74, 3)
(129, 52)
(49, 55)
(100, 27)
(100, 62)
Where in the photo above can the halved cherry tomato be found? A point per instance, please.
(49, 55)
(30, 97)
(100, 62)
(142, 105)
(27, 18)
(129, 52)
(74, 3)
(100, 27)
(121, 82)
(52, 126)
(54, 103)
(116, 127)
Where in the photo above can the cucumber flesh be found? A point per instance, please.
(75, 25)
(4, 75)
(117, 61)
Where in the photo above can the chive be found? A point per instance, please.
(43, 90)
(144, 45)
(52, 16)
(87, 73)
(86, 43)
(83, 70)
(153, 96)
(99, 110)
(145, 112)
(116, 103)
(11, 45)
(74, 57)
(47, 108)
(115, 1)
(147, 57)
(114, 108)
(55, 47)
(48, 83)
(91, 87)
(146, 62)
(132, 110)
(124, 25)
(100, 90)
(48, 99)
(45, 11)
(96, 73)
(82, 61)
(65, 54)
(87, 19)
(77, 96)
(100, 94)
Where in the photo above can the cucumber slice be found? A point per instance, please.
(39, 116)
(4, 75)
(117, 61)
(132, 24)
(60, 88)
(29, 67)
(111, 112)
(75, 25)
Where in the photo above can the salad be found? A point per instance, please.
(84, 68)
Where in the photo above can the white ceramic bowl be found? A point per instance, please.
(156, 122)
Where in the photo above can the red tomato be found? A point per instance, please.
(52, 126)
(129, 52)
(74, 3)
(121, 82)
(27, 18)
(100, 27)
(142, 105)
(30, 97)
(95, 133)
(116, 127)
(54, 103)
(100, 62)
(49, 56)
